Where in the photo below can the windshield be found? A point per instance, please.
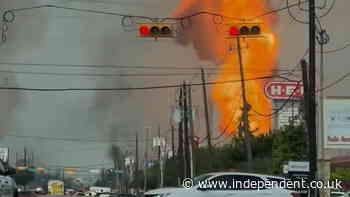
(200, 178)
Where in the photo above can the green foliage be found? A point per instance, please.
(288, 144)
(341, 174)
(275, 149)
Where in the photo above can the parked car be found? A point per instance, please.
(8, 187)
(198, 190)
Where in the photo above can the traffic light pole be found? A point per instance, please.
(247, 134)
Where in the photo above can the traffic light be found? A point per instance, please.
(157, 30)
(245, 29)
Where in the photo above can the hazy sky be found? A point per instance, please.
(54, 36)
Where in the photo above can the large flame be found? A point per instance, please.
(209, 37)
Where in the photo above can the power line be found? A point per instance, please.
(336, 49)
(9, 15)
(163, 67)
(136, 88)
(71, 139)
(110, 75)
(334, 83)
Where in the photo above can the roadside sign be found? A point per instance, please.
(284, 90)
(298, 166)
(95, 171)
(336, 120)
(56, 187)
(112, 171)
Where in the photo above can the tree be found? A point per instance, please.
(288, 144)
(117, 156)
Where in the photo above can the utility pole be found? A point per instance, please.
(25, 156)
(312, 100)
(137, 162)
(32, 162)
(172, 140)
(63, 175)
(187, 150)
(190, 115)
(245, 119)
(207, 125)
(324, 165)
(159, 157)
(180, 152)
(159, 150)
(146, 160)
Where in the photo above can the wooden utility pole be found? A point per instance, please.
(136, 161)
(146, 160)
(159, 149)
(159, 157)
(25, 156)
(186, 136)
(191, 136)
(172, 140)
(312, 99)
(180, 152)
(205, 98)
(245, 118)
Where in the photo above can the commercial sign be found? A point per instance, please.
(284, 90)
(4, 154)
(287, 115)
(336, 122)
(298, 166)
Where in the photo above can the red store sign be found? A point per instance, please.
(284, 90)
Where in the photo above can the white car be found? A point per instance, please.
(161, 192)
(225, 184)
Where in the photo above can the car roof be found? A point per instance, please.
(241, 173)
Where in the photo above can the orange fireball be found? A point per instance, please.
(208, 35)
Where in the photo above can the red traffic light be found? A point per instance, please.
(233, 31)
(144, 30)
(156, 30)
(244, 30)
